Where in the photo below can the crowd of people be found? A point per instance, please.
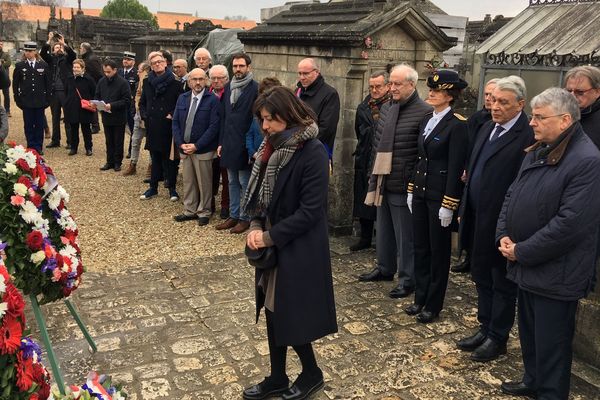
(516, 188)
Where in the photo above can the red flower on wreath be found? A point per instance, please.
(25, 181)
(36, 199)
(34, 240)
(16, 304)
(25, 372)
(21, 163)
(10, 335)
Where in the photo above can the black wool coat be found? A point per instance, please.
(590, 121)
(154, 109)
(551, 212)
(304, 300)
(114, 91)
(72, 109)
(498, 173)
(324, 100)
(474, 124)
(364, 127)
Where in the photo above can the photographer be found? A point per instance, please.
(59, 57)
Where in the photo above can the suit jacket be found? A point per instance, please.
(32, 87)
(205, 127)
(478, 222)
(441, 161)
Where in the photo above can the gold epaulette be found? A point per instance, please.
(457, 115)
(410, 187)
(450, 203)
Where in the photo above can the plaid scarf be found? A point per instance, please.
(282, 147)
(375, 105)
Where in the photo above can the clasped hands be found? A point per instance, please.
(255, 239)
(188, 148)
(507, 248)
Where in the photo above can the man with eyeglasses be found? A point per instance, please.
(493, 165)
(32, 85)
(322, 98)
(196, 135)
(547, 232)
(180, 69)
(584, 83)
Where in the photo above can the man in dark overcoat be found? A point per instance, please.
(367, 115)
(236, 117)
(157, 106)
(547, 231)
(113, 90)
(32, 85)
(494, 163)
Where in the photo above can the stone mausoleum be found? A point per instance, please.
(349, 40)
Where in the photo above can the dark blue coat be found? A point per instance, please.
(551, 212)
(304, 301)
(235, 122)
(205, 129)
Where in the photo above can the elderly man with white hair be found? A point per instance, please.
(547, 231)
(203, 60)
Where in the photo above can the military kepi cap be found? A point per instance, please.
(30, 46)
(446, 79)
(129, 55)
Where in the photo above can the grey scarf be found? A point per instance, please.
(237, 85)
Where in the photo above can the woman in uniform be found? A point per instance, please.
(435, 191)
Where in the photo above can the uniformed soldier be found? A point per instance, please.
(129, 72)
(31, 89)
(435, 191)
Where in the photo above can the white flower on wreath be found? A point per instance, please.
(38, 257)
(54, 200)
(63, 194)
(30, 159)
(10, 168)
(20, 189)
(2, 285)
(68, 251)
(29, 212)
(16, 153)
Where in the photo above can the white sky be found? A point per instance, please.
(475, 10)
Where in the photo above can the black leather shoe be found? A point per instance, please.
(52, 145)
(472, 342)
(117, 168)
(426, 317)
(464, 266)
(489, 350)
(203, 221)
(106, 167)
(183, 217)
(400, 292)
(413, 309)
(374, 276)
(265, 389)
(517, 389)
(304, 386)
(361, 245)
(72, 152)
(89, 153)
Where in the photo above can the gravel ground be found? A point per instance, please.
(117, 230)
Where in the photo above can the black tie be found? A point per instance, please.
(496, 133)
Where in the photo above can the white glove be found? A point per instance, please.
(409, 201)
(445, 216)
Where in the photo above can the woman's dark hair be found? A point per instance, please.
(282, 104)
(455, 94)
(268, 83)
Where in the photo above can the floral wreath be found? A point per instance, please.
(43, 252)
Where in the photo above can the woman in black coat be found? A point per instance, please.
(287, 201)
(434, 193)
(79, 86)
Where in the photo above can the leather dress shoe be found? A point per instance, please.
(106, 167)
(489, 350)
(227, 224)
(400, 292)
(184, 217)
(413, 309)
(240, 227)
(361, 245)
(472, 342)
(52, 145)
(117, 167)
(304, 386)
(203, 221)
(517, 389)
(265, 389)
(426, 317)
(464, 266)
(374, 276)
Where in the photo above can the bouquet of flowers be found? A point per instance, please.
(22, 375)
(98, 387)
(43, 253)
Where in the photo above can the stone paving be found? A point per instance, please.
(187, 331)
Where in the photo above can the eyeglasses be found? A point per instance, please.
(217, 78)
(306, 73)
(537, 117)
(579, 92)
(157, 62)
(376, 87)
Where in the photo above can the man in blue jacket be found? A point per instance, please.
(547, 231)
(196, 136)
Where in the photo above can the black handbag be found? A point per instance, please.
(263, 258)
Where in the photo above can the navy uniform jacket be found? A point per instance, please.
(441, 161)
(131, 77)
(32, 86)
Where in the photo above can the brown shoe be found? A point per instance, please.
(130, 170)
(227, 224)
(149, 171)
(241, 227)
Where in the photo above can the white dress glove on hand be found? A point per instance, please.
(409, 197)
(445, 216)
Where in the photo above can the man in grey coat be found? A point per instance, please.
(395, 155)
(547, 231)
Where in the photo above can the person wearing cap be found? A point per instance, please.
(32, 86)
(434, 192)
(129, 73)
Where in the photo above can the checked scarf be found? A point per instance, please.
(266, 169)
